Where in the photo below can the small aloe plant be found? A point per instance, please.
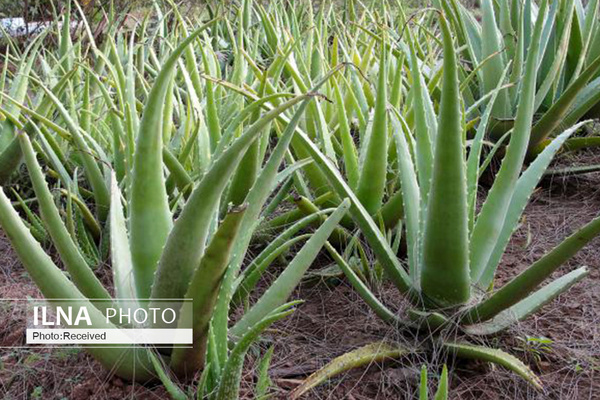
(453, 250)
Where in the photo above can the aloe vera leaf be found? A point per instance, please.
(445, 270)
(559, 60)
(423, 392)
(366, 355)
(371, 184)
(151, 219)
(393, 210)
(11, 156)
(442, 392)
(203, 290)
(425, 126)
(520, 286)
(492, 71)
(411, 197)
(287, 281)
(229, 385)
(122, 264)
(91, 167)
(495, 356)
(529, 305)
(493, 213)
(129, 362)
(349, 149)
(257, 269)
(186, 243)
(475, 153)
(523, 191)
(82, 275)
(554, 116)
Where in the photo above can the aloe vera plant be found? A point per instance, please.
(158, 150)
(568, 63)
(454, 251)
(155, 256)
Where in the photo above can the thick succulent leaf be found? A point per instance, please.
(122, 266)
(445, 269)
(348, 146)
(560, 56)
(411, 196)
(523, 191)
(587, 99)
(151, 219)
(91, 167)
(229, 384)
(495, 356)
(186, 242)
(203, 290)
(520, 286)
(442, 392)
(493, 213)
(366, 355)
(555, 115)
(423, 391)
(373, 174)
(129, 362)
(529, 305)
(80, 272)
(475, 151)
(493, 68)
(284, 285)
(425, 124)
(255, 270)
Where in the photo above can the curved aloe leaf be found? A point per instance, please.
(229, 384)
(80, 272)
(492, 70)
(373, 174)
(411, 197)
(495, 356)
(130, 362)
(287, 281)
(555, 115)
(151, 219)
(11, 156)
(520, 286)
(493, 212)
(523, 190)
(529, 305)
(203, 290)
(122, 265)
(185, 245)
(425, 124)
(371, 353)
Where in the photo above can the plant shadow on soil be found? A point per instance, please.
(561, 343)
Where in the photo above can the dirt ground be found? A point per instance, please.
(560, 343)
